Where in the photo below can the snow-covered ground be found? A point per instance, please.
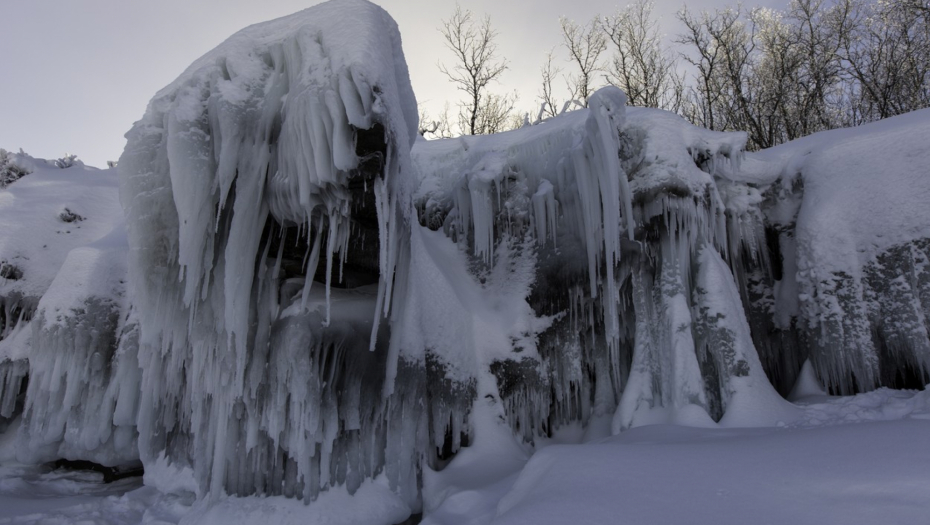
(849, 460)
(593, 319)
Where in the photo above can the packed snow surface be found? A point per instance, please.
(842, 463)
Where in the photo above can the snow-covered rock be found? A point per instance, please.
(294, 296)
(63, 294)
(275, 159)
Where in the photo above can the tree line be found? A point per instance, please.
(775, 74)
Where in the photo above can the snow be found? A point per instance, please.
(673, 474)
(33, 495)
(373, 503)
(850, 176)
(35, 237)
(807, 384)
(842, 462)
(290, 310)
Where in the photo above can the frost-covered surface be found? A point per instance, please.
(850, 209)
(62, 291)
(267, 165)
(612, 261)
(847, 208)
(854, 460)
(296, 307)
(666, 474)
(12, 167)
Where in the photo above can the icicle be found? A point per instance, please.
(331, 249)
(544, 209)
(311, 266)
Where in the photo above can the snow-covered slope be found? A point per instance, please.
(295, 296)
(63, 292)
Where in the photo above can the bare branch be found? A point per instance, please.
(475, 66)
(585, 44)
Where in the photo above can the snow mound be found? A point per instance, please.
(824, 475)
(883, 404)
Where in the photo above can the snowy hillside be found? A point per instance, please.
(63, 294)
(286, 306)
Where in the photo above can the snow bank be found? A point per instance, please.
(662, 474)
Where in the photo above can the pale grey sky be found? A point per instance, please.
(77, 73)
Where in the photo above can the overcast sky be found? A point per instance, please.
(77, 73)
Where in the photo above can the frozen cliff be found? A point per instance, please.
(278, 159)
(290, 292)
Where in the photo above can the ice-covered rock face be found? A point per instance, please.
(300, 297)
(608, 208)
(659, 328)
(856, 250)
(62, 294)
(277, 159)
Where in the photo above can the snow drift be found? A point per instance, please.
(304, 295)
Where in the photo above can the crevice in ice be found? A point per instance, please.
(10, 271)
(109, 473)
(16, 311)
(14, 380)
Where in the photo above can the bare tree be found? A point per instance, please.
(440, 128)
(476, 67)
(777, 75)
(888, 55)
(585, 44)
(708, 92)
(549, 72)
(817, 30)
(729, 93)
(496, 114)
(641, 66)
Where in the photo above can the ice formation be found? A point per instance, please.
(294, 293)
(280, 158)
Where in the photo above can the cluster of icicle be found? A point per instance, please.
(712, 306)
(629, 229)
(15, 313)
(880, 318)
(610, 262)
(244, 379)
